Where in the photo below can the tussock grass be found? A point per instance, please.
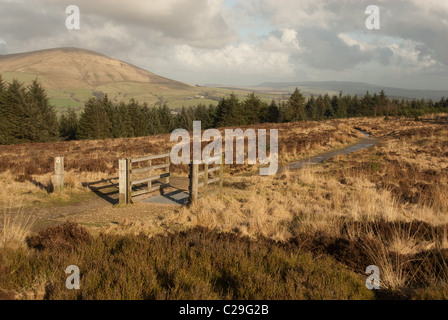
(352, 198)
(386, 206)
(29, 167)
(15, 226)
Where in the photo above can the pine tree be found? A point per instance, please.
(283, 109)
(312, 109)
(13, 100)
(383, 104)
(328, 111)
(229, 112)
(367, 103)
(19, 116)
(273, 115)
(26, 114)
(296, 107)
(321, 107)
(121, 122)
(184, 119)
(68, 125)
(205, 114)
(46, 125)
(3, 118)
(2, 89)
(139, 125)
(167, 123)
(94, 122)
(354, 107)
(341, 107)
(252, 107)
(153, 120)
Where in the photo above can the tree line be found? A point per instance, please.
(27, 116)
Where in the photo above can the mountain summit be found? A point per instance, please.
(73, 75)
(76, 68)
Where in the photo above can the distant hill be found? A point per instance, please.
(79, 68)
(73, 75)
(351, 88)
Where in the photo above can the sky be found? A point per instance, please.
(247, 42)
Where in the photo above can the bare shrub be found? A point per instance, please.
(61, 237)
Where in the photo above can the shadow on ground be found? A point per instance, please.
(106, 189)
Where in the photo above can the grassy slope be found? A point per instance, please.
(175, 98)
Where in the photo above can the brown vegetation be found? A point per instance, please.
(27, 169)
(198, 264)
(385, 206)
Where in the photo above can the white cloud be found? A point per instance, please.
(197, 41)
(240, 60)
(285, 42)
(351, 42)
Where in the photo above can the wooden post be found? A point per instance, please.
(168, 161)
(149, 174)
(59, 174)
(194, 172)
(221, 174)
(123, 181)
(206, 176)
(129, 181)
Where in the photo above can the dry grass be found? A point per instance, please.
(387, 203)
(393, 272)
(35, 291)
(27, 169)
(403, 188)
(16, 225)
(379, 184)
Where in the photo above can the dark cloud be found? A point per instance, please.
(325, 50)
(3, 48)
(384, 56)
(20, 22)
(418, 22)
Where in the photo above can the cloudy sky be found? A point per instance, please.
(243, 42)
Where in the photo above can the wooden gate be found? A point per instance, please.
(140, 177)
(207, 180)
(137, 177)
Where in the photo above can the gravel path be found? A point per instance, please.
(365, 142)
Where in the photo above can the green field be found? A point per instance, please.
(153, 95)
(22, 77)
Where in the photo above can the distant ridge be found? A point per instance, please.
(351, 88)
